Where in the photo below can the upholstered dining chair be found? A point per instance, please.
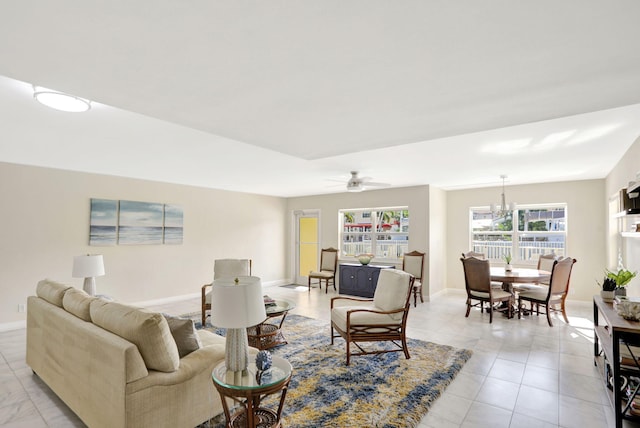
(545, 262)
(383, 318)
(223, 268)
(477, 278)
(474, 254)
(413, 263)
(550, 296)
(481, 256)
(327, 272)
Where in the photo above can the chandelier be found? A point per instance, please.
(503, 209)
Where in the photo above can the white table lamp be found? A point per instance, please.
(88, 267)
(237, 303)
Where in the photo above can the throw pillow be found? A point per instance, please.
(184, 333)
(149, 331)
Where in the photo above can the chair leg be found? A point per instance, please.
(468, 307)
(490, 310)
(405, 348)
(519, 308)
(564, 312)
(348, 352)
(309, 282)
(549, 315)
(332, 334)
(421, 298)
(326, 287)
(415, 297)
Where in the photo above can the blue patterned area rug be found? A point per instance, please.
(384, 390)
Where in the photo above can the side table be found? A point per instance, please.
(267, 335)
(248, 389)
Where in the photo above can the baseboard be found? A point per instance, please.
(16, 325)
(198, 294)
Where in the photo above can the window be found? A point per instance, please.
(525, 233)
(383, 232)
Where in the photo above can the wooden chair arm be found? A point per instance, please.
(204, 290)
(395, 311)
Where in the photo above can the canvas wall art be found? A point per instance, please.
(103, 229)
(135, 223)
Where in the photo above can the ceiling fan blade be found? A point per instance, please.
(372, 184)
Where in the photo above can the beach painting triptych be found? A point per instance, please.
(134, 223)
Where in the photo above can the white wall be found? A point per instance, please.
(437, 257)
(416, 198)
(45, 221)
(586, 218)
(624, 172)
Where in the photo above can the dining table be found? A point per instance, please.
(518, 275)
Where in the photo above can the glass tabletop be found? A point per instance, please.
(279, 306)
(248, 379)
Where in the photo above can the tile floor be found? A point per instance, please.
(522, 374)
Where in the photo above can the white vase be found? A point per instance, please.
(607, 296)
(508, 267)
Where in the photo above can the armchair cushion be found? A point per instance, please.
(391, 292)
(339, 317)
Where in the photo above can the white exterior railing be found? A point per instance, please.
(525, 251)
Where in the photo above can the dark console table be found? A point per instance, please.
(359, 280)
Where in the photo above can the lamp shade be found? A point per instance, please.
(237, 304)
(87, 266)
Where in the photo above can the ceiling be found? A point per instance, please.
(284, 98)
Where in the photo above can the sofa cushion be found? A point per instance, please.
(149, 331)
(52, 291)
(184, 333)
(77, 302)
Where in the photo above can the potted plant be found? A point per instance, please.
(507, 260)
(622, 277)
(608, 289)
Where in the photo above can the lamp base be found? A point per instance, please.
(90, 286)
(236, 355)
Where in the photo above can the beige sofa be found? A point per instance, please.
(119, 366)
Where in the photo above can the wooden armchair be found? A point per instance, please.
(383, 318)
(223, 268)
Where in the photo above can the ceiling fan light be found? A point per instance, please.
(61, 101)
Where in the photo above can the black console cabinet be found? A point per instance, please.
(359, 280)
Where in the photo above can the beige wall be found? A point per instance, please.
(624, 172)
(416, 198)
(45, 220)
(436, 262)
(586, 220)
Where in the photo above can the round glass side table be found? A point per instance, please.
(248, 388)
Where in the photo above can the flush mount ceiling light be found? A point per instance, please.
(60, 101)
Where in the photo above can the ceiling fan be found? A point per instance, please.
(358, 184)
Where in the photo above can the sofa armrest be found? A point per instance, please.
(191, 365)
